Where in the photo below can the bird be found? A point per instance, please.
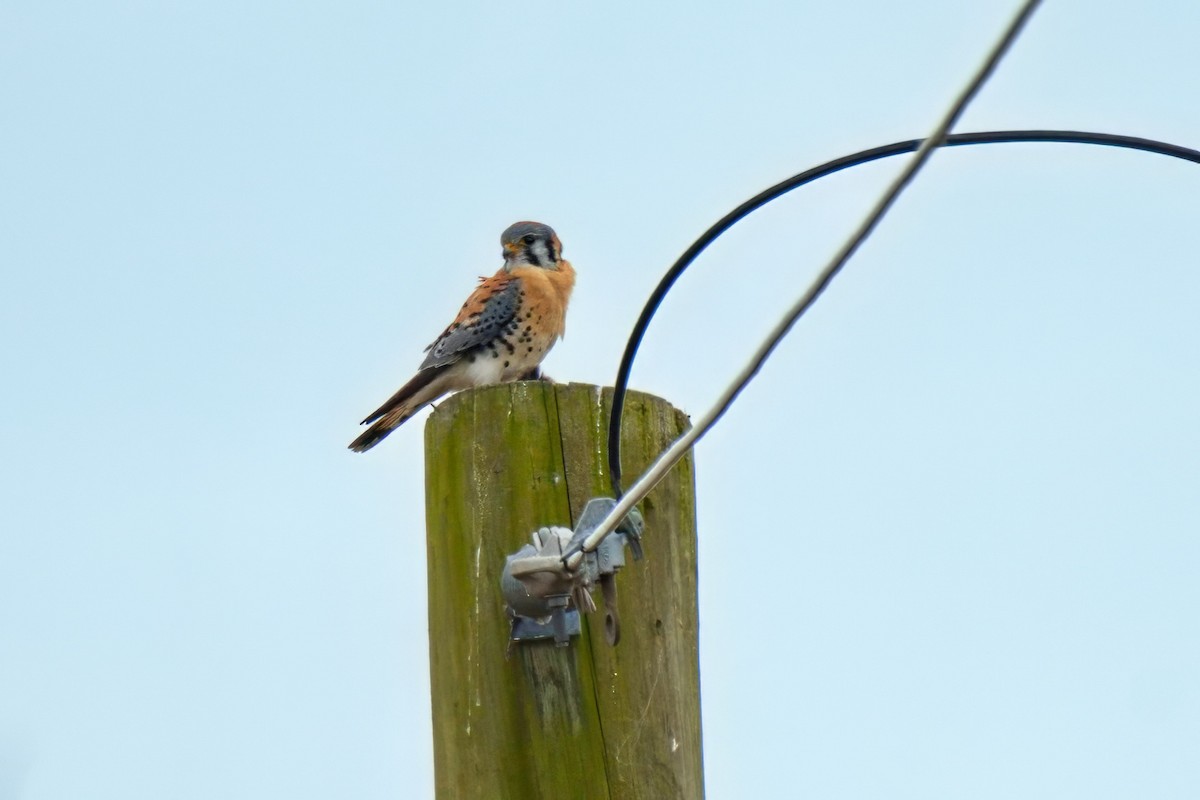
(501, 334)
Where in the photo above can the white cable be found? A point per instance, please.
(679, 448)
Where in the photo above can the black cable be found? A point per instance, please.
(808, 176)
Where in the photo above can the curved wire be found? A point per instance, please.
(808, 176)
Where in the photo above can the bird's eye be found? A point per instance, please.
(528, 238)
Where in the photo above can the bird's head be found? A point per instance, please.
(530, 244)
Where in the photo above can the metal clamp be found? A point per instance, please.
(544, 597)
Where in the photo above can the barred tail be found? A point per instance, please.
(379, 431)
(408, 400)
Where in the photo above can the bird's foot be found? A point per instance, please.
(535, 374)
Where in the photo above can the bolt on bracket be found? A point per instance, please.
(544, 597)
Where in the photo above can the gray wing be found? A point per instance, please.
(486, 315)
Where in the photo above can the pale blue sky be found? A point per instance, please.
(949, 539)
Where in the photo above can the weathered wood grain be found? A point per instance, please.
(587, 720)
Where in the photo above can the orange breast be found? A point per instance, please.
(545, 295)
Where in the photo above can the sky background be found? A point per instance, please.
(949, 539)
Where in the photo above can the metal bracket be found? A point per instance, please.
(544, 597)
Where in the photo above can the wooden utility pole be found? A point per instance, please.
(588, 720)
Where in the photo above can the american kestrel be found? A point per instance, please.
(502, 332)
